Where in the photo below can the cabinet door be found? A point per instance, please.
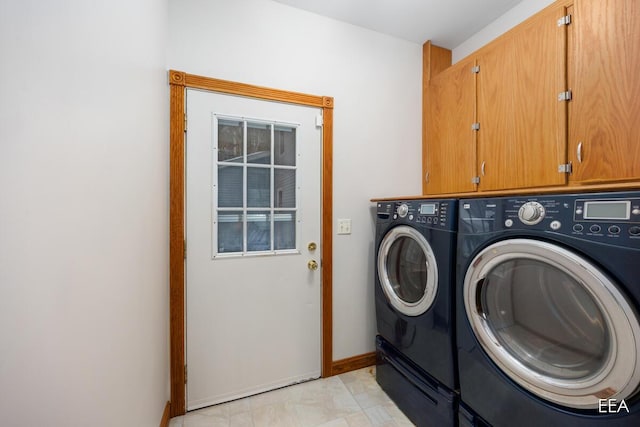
(604, 114)
(450, 149)
(522, 136)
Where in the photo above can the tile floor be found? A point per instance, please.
(352, 399)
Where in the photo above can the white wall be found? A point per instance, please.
(376, 84)
(83, 213)
(510, 19)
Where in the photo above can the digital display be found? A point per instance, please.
(428, 208)
(607, 210)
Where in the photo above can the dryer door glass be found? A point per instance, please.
(545, 318)
(407, 270)
(553, 322)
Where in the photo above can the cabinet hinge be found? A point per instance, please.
(475, 126)
(564, 96)
(185, 374)
(475, 180)
(565, 20)
(475, 69)
(565, 168)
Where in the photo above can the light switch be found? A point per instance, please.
(344, 226)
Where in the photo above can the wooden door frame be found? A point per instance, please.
(179, 82)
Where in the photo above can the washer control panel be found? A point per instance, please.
(612, 217)
(610, 210)
(402, 210)
(431, 213)
(531, 213)
(597, 216)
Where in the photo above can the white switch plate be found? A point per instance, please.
(344, 226)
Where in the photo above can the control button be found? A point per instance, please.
(636, 211)
(555, 225)
(531, 213)
(403, 210)
(634, 231)
(410, 217)
(578, 211)
(595, 228)
(614, 229)
(429, 220)
(578, 228)
(508, 223)
(395, 216)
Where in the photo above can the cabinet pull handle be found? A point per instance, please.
(426, 177)
(579, 152)
(482, 168)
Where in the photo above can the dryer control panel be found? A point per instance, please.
(430, 213)
(597, 216)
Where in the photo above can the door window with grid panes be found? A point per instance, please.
(254, 188)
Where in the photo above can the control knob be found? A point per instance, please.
(403, 209)
(531, 213)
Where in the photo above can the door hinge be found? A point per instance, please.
(185, 374)
(319, 120)
(475, 126)
(475, 69)
(184, 249)
(565, 168)
(185, 122)
(565, 20)
(564, 96)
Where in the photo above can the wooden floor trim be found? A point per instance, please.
(353, 363)
(164, 421)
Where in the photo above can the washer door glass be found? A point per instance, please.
(553, 322)
(407, 270)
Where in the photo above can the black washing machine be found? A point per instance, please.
(415, 261)
(468, 418)
(548, 296)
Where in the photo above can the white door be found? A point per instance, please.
(253, 213)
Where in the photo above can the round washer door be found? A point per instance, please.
(407, 270)
(553, 322)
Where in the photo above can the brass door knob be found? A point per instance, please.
(312, 264)
(312, 246)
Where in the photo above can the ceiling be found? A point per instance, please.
(446, 23)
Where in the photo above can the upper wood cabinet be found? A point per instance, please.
(528, 137)
(522, 124)
(450, 156)
(521, 136)
(604, 75)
